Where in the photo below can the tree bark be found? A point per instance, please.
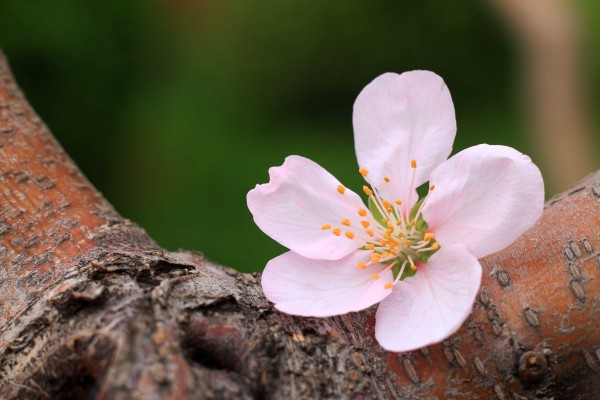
(91, 307)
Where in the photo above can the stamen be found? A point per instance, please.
(346, 222)
(375, 276)
(431, 188)
(375, 258)
(389, 285)
(413, 163)
(386, 179)
(428, 236)
(370, 246)
(363, 171)
(365, 224)
(386, 204)
(362, 212)
(367, 191)
(362, 265)
(399, 202)
(349, 234)
(341, 189)
(435, 246)
(370, 232)
(337, 231)
(326, 226)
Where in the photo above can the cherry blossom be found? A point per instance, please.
(417, 257)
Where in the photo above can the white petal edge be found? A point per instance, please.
(431, 305)
(320, 288)
(299, 199)
(485, 197)
(398, 118)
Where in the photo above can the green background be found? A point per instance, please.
(175, 109)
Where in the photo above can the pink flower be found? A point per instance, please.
(418, 258)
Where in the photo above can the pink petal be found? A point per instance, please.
(319, 288)
(485, 197)
(398, 118)
(299, 199)
(430, 306)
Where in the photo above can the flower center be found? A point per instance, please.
(396, 237)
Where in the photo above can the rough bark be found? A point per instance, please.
(91, 307)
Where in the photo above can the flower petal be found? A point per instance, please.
(398, 118)
(431, 305)
(319, 288)
(485, 197)
(299, 199)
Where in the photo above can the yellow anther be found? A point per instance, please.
(386, 179)
(369, 232)
(389, 210)
(367, 191)
(428, 236)
(399, 222)
(371, 246)
(375, 258)
(386, 236)
(413, 223)
(413, 267)
(435, 246)
(385, 255)
(363, 171)
(431, 188)
(385, 220)
(365, 224)
(350, 234)
(400, 234)
(399, 202)
(375, 276)
(383, 243)
(362, 212)
(341, 189)
(407, 243)
(325, 227)
(362, 265)
(336, 231)
(386, 204)
(389, 285)
(413, 163)
(390, 226)
(393, 251)
(346, 222)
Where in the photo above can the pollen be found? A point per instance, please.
(362, 212)
(325, 227)
(399, 202)
(369, 232)
(431, 188)
(365, 224)
(435, 246)
(337, 231)
(375, 276)
(428, 236)
(413, 163)
(371, 246)
(386, 204)
(341, 189)
(362, 265)
(389, 285)
(413, 223)
(346, 222)
(349, 234)
(375, 258)
(413, 267)
(386, 179)
(367, 191)
(363, 171)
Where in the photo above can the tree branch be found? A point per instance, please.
(91, 307)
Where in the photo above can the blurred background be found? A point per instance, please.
(175, 109)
